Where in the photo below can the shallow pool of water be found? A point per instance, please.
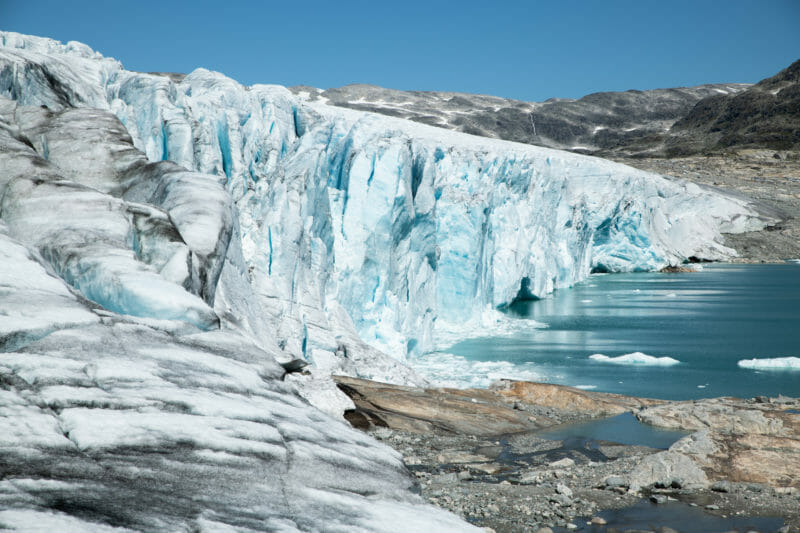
(646, 516)
(623, 429)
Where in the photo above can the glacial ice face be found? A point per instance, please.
(397, 230)
(146, 299)
(137, 392)
(411, 229)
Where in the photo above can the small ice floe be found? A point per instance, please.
(635, 358)
(773, 363)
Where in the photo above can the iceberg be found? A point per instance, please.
(636, 359)
(773, 363)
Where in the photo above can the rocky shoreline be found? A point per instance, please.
(739, 466)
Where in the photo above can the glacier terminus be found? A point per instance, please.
(167, 241)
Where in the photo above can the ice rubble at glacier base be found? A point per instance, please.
(140, 347)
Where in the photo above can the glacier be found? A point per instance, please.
(361, 231)
(169, 241)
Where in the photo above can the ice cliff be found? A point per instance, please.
(358, 227)
(167, 240)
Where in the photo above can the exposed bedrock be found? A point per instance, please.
(737, 440)
(506, 407)
(733, 440)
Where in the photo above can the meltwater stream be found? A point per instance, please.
(693, 329)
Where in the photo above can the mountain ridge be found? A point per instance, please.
(667, 122)
(598, 123)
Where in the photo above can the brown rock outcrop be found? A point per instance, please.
(472, 412)
(589, 403)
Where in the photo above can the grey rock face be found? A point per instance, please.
(674, 122)
(766, 115)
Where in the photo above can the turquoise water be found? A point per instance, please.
(707, 321)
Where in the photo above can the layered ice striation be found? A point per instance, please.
(140, 389)
(111, 422)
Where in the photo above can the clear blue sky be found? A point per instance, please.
(529, 50)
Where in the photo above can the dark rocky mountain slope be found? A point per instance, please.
(659, 122)
(623, 123)
(766, 115)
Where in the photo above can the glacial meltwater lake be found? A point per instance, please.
(705, 322)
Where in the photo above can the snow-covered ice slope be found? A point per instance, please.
(136, 392)
(145, 425)
(359, 223)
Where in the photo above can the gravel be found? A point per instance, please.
(514, 488)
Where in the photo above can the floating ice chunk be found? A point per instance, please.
(774, 363)
(635, 358)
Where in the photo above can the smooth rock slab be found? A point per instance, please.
(739, 440)
(472, 412)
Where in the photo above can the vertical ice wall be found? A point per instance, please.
(358, 223)
(407, 229)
